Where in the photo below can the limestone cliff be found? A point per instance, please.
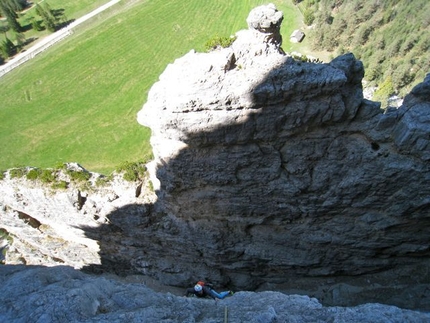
(275, 172)
(270, 174)
(62, 294)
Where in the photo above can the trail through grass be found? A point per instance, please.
(77, 102)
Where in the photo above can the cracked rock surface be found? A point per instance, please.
(276, 173)
(63, 294)
(269, 174)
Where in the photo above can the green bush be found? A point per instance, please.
(17, 172)
(384, 91)
(79, 176)
(60, 185)
(151, 186)
(61, 166)
(102, 181)
(362, 35)
(5, 235)
(34, 174)
(132, 171)
(308, 17)
(218, 41)
(403, 75)
(47, 176)
(423, 45)
(373, 72)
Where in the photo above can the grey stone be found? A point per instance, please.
(62, 294)
(278, 171)
(269, 174)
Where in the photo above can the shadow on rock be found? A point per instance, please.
(273, 173)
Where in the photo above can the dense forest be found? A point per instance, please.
(390, 37)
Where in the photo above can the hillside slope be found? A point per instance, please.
(390, 37)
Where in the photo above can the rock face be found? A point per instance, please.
(275, 173)
(45, 226)
(270, 174)
(62, 294)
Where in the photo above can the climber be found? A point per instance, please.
(202, 289)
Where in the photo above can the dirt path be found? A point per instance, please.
(50, 40)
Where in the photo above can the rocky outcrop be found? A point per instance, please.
(62, 294)
(272, 172)
(269, 173)
(41, 225)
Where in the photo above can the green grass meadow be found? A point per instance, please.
(77, 101)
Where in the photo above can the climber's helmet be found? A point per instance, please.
(198, 288)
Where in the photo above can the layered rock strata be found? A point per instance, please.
(272, 172)
(41, 225)
(62, 294)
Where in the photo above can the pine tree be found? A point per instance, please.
(11, 16)
(7, 48)
(20, 40)
(16, 5)
(47, 16)
(4, 29)
(35, 24)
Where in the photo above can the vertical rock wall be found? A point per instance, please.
(272, 172)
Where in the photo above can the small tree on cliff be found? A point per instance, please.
(218, 41)
(384, 91)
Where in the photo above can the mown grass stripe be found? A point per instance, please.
(78, 101)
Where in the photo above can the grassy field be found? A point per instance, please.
(77, 102)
